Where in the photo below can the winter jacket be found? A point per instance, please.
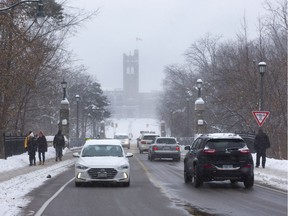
(59, 141)
(42, 144)
(31, 145)
(261, 141)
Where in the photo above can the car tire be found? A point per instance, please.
(197, 180)
(78, 184)
(149, 157)
(187, 178)
(249, 182)
(126, 184)
(233, 181)
(140, 151)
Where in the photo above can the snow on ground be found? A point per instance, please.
(13, 191)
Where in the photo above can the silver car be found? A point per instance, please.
(164, 147)
(102, 160)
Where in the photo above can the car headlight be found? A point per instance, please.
(81, 166)
(124, 166)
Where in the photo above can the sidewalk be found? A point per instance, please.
(9, 173)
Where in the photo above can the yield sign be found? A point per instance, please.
(260, 116)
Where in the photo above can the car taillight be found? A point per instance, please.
(177, 148)
(155, 148)
(207, 166)
(244, 151)
(209, 151)
(247, 166)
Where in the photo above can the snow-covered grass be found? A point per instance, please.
(13, 192)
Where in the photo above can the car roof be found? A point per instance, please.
(121, 134)
(102, 142)
(221, 136)
(150, 134)
(165, 138)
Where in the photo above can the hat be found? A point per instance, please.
(31, 134)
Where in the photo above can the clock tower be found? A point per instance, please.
(131, 75)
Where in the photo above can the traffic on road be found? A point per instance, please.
(156, 188)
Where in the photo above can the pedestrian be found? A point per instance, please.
(42, 147)
(261, 143)
(31, 146)
(59, 143)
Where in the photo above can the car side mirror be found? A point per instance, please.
(76, 154)
(129, 155)
(187, 148)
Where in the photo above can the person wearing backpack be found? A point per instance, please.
(31, 146)
(59, 143)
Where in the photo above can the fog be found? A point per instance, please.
(164, 28)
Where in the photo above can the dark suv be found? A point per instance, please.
(218, 157)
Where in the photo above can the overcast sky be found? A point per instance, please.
(166, 27)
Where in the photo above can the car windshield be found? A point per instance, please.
(121, 137)
(166, 141)
(102, 150)
(222, 144)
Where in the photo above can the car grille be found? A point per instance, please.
(95, 173)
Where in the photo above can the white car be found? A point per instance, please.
(125, 140)
(145, 141)
(102, 160)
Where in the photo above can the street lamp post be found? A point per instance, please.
(94, 110)
(64, 86)
(64, 112)
(199, 86)
(199, 108)
(262, 69)
(77, 116)
(188, 97)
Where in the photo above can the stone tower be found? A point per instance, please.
(131, 75)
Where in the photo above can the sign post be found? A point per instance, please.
(260, 116)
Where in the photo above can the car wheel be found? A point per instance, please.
(187, 178)
(233, 181)
(140, 151)
(249, 182)
(197, 180)
(149, 157)
(78, 184)
(176, 159)
(126, 184)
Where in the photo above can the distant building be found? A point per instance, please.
(129, 102)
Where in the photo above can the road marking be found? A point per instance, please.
(44, 206)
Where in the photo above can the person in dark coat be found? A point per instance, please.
(42, 147)
(31, 147)
(261, 143)
(59, 143)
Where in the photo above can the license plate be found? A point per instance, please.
(102, 175)
(166, 148)
(227, 166)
